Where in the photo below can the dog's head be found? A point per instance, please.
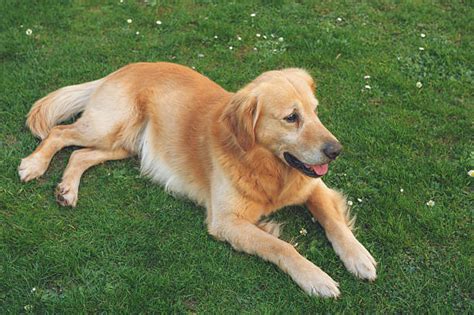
(278, 111)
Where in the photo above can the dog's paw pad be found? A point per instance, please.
(66, 195)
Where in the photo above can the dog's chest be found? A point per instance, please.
(278, 193)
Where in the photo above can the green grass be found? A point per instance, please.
(130, 247)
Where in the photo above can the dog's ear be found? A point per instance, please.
(241, 117)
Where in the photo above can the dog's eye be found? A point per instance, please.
(292, 118)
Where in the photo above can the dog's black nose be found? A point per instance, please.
(332, 149)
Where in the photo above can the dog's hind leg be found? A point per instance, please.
(37, 162)
(79, 162)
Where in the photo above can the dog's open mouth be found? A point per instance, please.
(309, 170)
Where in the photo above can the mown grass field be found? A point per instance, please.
(129, 247)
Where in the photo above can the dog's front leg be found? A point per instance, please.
(247, 237)
(329, 208)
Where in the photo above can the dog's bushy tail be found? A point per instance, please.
(58, 106)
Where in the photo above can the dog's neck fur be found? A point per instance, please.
(258, 171)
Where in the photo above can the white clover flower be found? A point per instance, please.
(215, 37)
(430, 203)
(230, 47)
(350, 203)
(121, 1)
(253, 14)
(137, 33)
(366, 77)
(421, 48)
(21, 25)
(280, 39)
(359, 199)
(264, 36)
(239, 38)
(419, 84)
(258, 35)
(33, 290)
(471, 173)
(158, 22)
(423, 35)
(303, 231)
(201, 55)
(339, 19)
(401, 190)
(29, 32)
(129, 21)
(255, 48)
(368, 87)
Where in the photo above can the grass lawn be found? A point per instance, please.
(130, 247)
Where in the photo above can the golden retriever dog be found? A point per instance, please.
(241, 155)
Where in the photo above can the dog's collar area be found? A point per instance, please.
(294, 162)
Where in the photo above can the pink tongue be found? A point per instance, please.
(320, 169)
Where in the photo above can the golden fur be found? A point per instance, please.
(223, 150)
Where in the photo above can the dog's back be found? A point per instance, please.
(161, 111)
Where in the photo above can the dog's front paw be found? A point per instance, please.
(316, 282)
(31, 168)
(66, 195)
(359, 261)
